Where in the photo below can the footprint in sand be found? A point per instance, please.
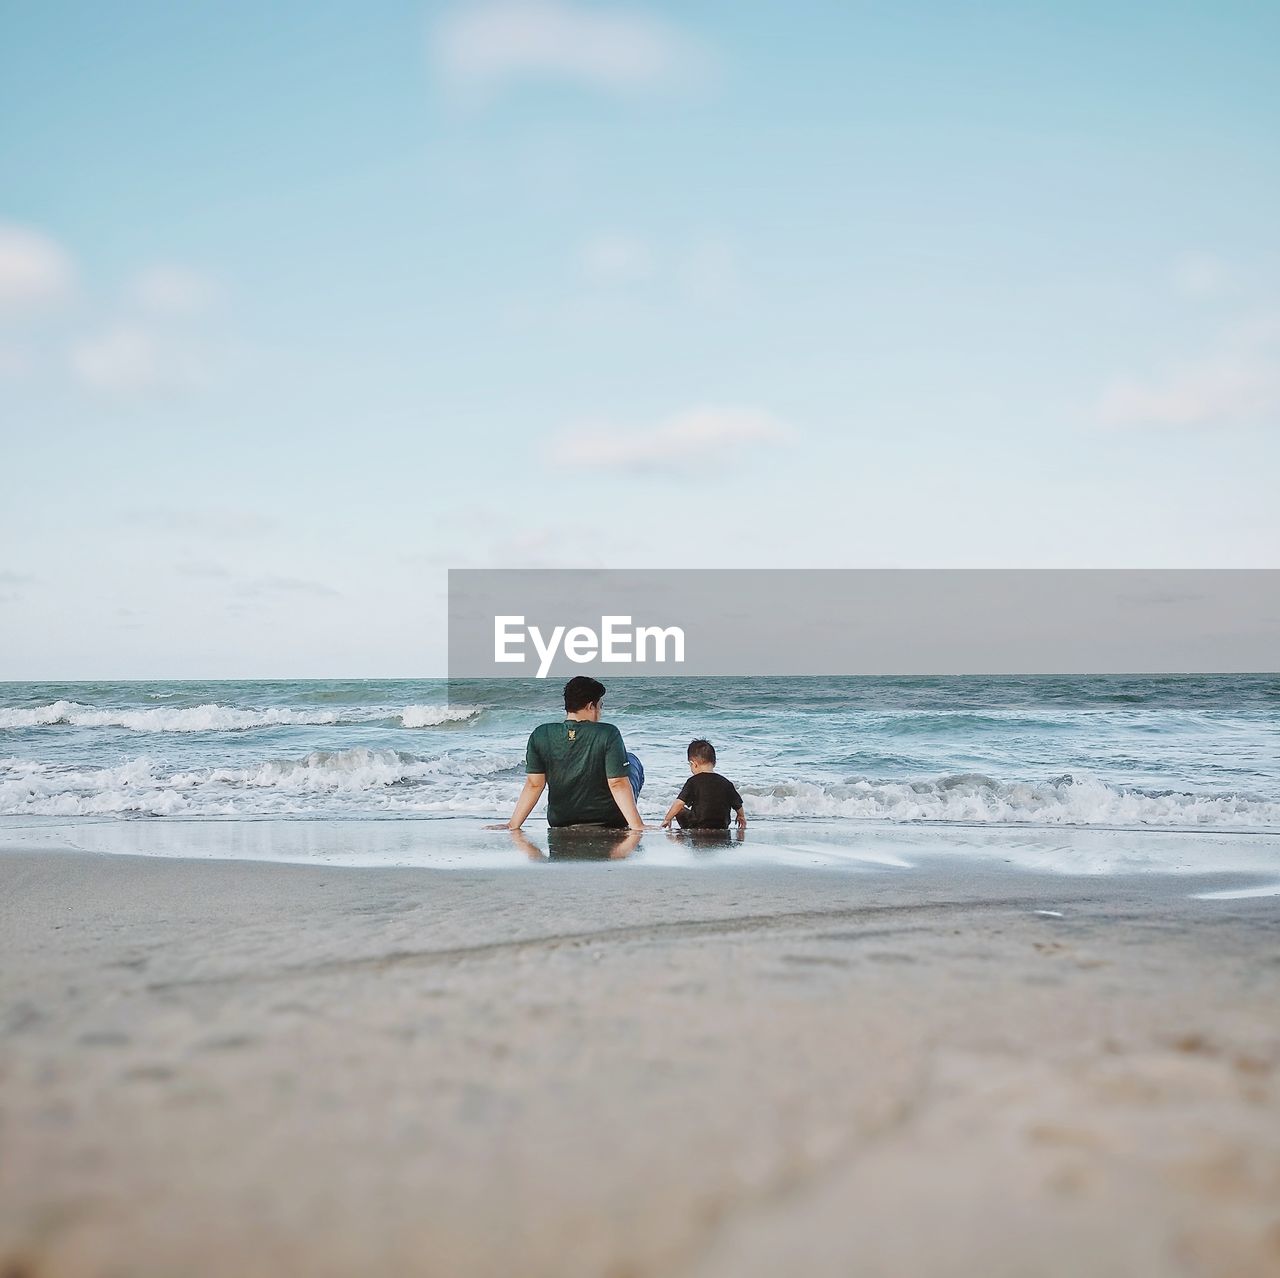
(231, 1043)
(104, 1038)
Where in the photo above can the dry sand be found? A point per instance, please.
(233, 1068)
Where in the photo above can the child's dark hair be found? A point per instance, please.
(580, 691)
(703, 751)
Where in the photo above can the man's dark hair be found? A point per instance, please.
(703, 751)
(581, 691)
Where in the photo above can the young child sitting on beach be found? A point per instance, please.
(707, 798)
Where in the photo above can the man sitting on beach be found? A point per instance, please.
(592, 778)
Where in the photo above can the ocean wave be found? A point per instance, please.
(213, 717)
(324, 782)
(972, 798)
(354, 771)
(435, 716)
(206, 718)
(363, 781)
(942, 723)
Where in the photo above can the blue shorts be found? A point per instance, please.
(635, 771)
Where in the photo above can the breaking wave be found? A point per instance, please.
(219, 718)
(972, 798)
(325, 782)
(369, 782)
(434, 716)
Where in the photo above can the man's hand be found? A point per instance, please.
(534, 784)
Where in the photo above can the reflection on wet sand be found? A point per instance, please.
(580, 843)
(703, 841)
(599, 843)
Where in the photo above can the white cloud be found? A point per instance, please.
(710, 273)
(34, 269)
(128, 359)
(175, 291)
(617, 258)
(1237, 385)
(1219, 391)
(1201, 275)
(119, 360)
(704, 271)
(487, 44)
(694, 436)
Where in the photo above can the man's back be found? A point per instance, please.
(578, 757)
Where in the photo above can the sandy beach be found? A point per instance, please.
(220, 1067)
(639, 640)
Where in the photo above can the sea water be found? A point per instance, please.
(1120, 752)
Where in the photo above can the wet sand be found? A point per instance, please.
(217, 1067)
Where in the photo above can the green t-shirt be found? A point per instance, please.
(578, 757)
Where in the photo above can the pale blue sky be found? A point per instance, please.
(300, 305)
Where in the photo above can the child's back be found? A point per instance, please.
(707, 798)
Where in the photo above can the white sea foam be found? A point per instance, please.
(363, 781)
(324, 782)
(205, 718)
(219, 718)
(40, 716)
(1238, 894)
(972, 798)
(434, 716)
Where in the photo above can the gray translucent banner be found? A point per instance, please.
(554, 623)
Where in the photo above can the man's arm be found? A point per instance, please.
(625, 798)
(672, 812)
(534, 784)
(619, 779)
(521, 840)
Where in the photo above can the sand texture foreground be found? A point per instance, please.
(213, 1068)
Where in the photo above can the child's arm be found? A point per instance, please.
(741, 814)
(672, 812)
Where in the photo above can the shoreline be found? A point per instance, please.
(232, 1067)
(462, 843)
